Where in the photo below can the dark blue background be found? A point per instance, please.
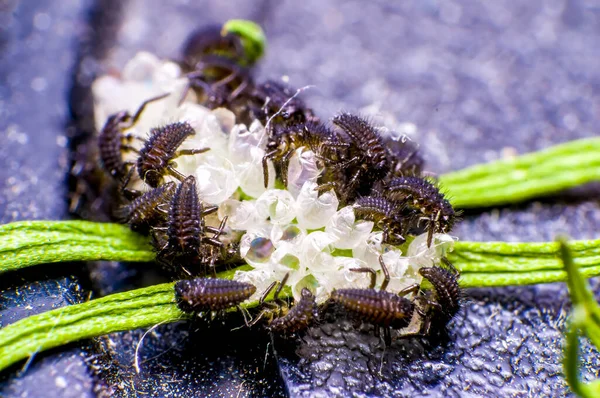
(479, 79)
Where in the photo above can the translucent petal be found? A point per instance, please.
(250, 174)
(314, 211)
(310, 282)
(302, 168)
(370, 250)
(349, 233)
(141, 67)
(423, 256)
(396, 264)
(261, 278)
(216, 180)
(398, 283)
(241, 215)
(340, 275)
(316, 249)
(278, 205)
(226, 119)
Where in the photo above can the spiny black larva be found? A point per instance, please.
(276, 101)
(210, 40)
(404, 156)
(366, 159)
(220, 78)
(112, 142)
(293, 320)
(446, 290)
(186, 230)
(148, 210)
(218, 66)
(381, 308)
(314, 136)
(211, 294)
(156, 156)
(299, 317)
(386, 214)
(426, 198)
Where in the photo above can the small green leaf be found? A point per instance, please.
(252, 36)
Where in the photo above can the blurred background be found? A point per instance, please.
(470, 81)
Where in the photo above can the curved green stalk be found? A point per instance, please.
(585, 316)
(27, 243)
(525, 177)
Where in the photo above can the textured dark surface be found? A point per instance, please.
(479, 80)
(38, 44)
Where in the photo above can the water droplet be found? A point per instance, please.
(260, 250)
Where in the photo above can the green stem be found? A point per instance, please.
(118, 312)
(481, 265)
(489, 264)
(536, 174)
(27, 243)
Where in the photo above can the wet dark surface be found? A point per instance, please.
(478, 80)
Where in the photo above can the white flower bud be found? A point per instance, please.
(349, 233)
(313, 211)
(278, 205)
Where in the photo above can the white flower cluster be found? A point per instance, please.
(296, 231)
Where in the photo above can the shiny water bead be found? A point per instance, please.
(260, 250)
(313, 211)
(348, 232)
(207, 294)
(288, 233)
(278, 205)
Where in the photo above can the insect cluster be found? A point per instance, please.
(195, 168)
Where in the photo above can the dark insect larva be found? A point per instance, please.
(148, 210)
(312, 135)
(288, 321)
(186, 231)
(299, 317)
(439, 305)
(367, 159)
(382, 309)
(160, 149)
(425, 198)
(404, 157)
(279, 104)
(219, 65)
(210, 40)
(112, 143)
(386, 214)
(208, 294)
(446, 290)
